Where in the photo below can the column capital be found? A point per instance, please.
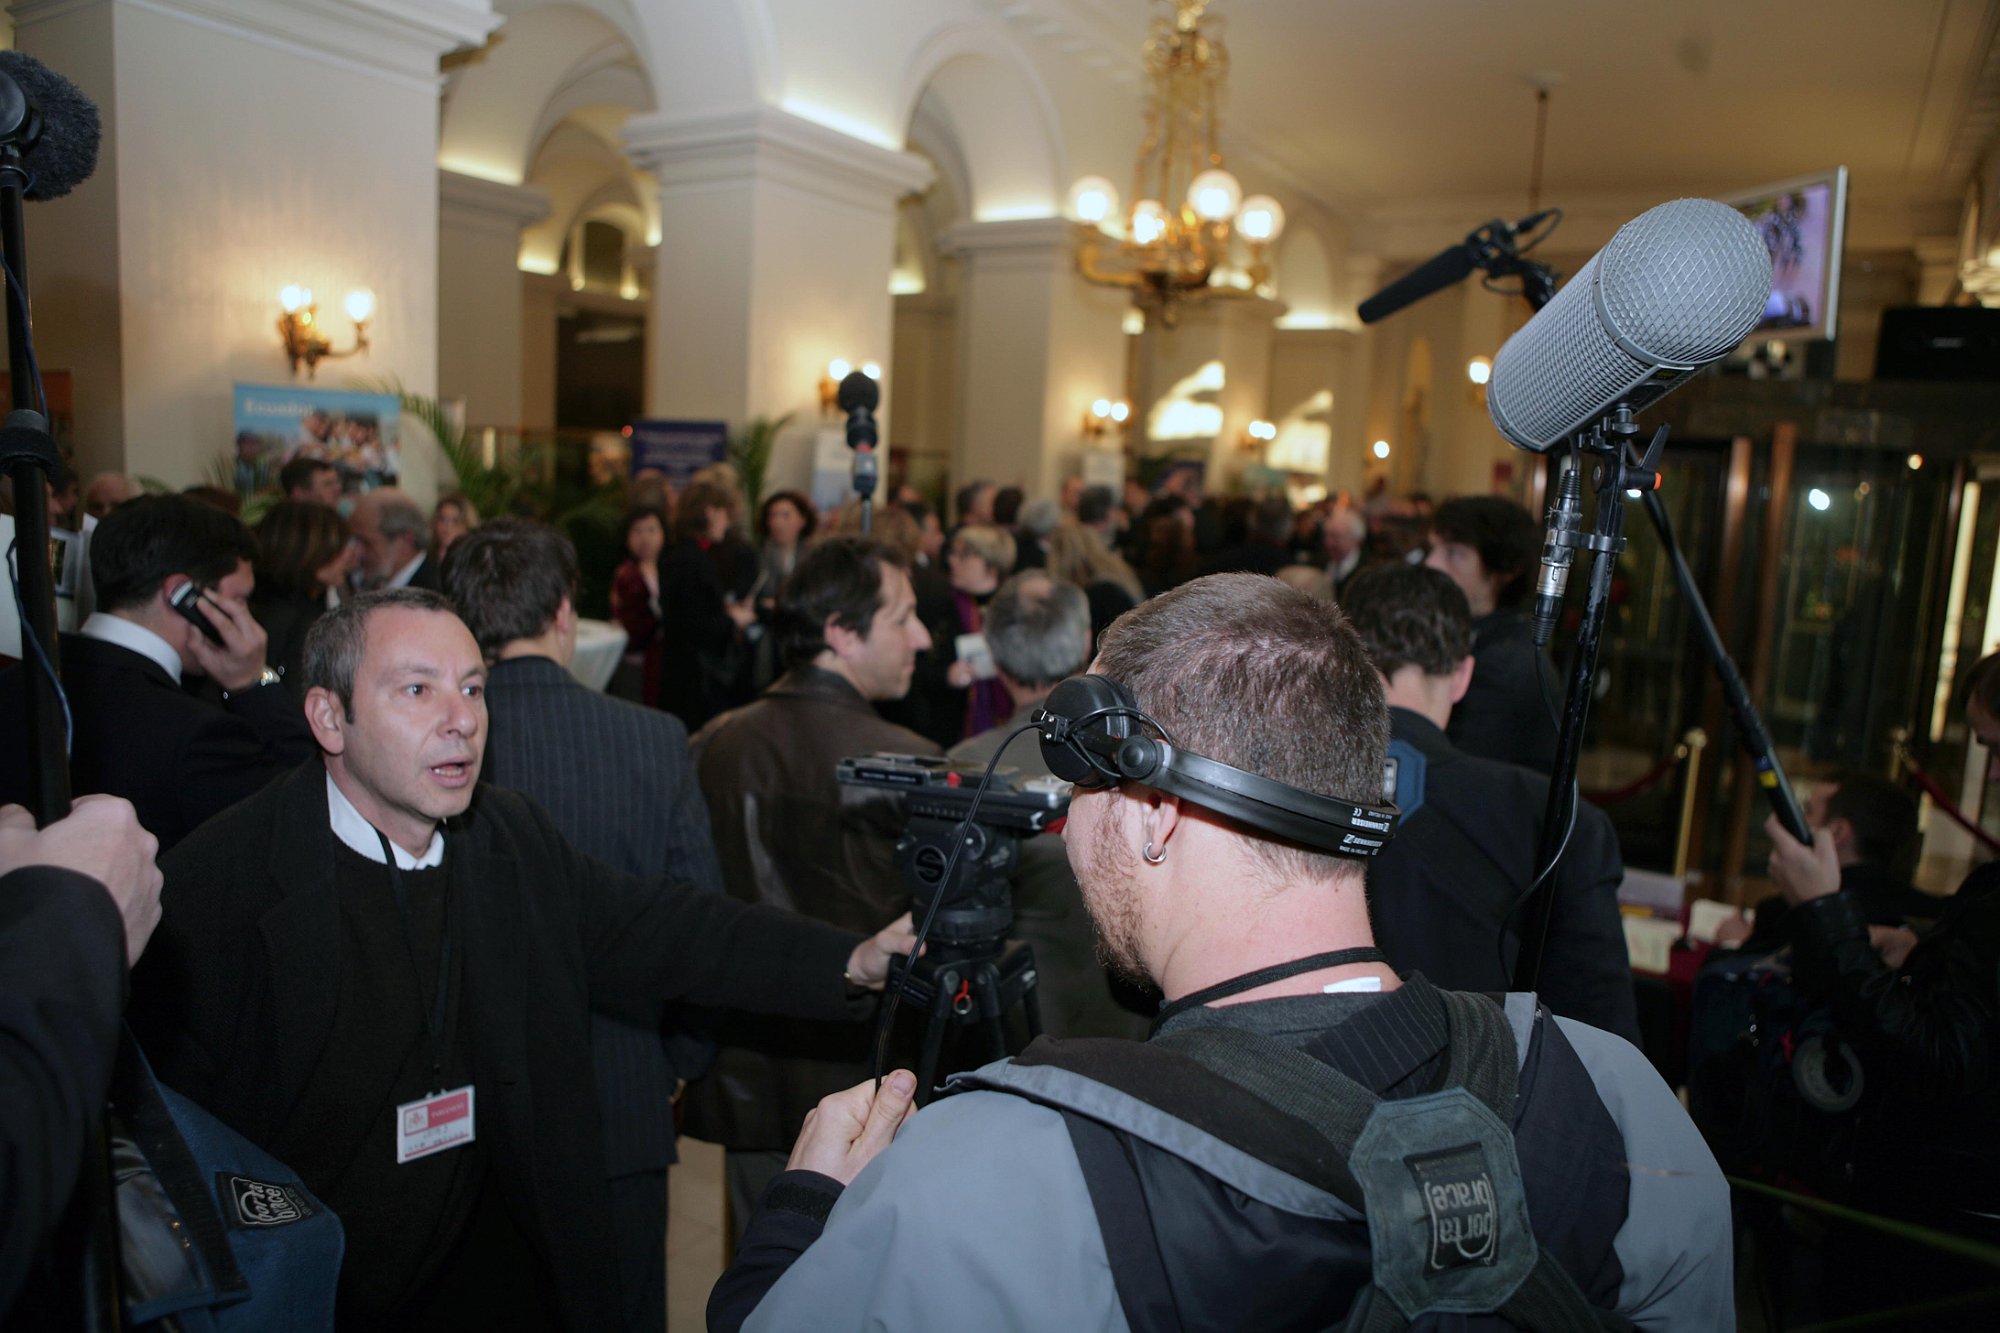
(398, 39)
(1013, 243)
(701, 154)
(476, 204)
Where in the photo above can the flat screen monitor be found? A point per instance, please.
(1803, 222)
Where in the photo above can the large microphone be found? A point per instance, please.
(1675, 290)
(55, 125)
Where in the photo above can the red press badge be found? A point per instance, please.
(430, 1125)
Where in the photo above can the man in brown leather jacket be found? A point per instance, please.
(788, 834)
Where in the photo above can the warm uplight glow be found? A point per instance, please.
(1261, 218)
(295, 298)
(1381, 448)
(1214, 195)
(1915, 462)
(1479, 370)
(838, 369)
(871, 370)
(360, 305)
(1149, 221)
(1094, 200)
(1819, 499)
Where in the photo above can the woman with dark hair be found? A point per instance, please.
(303, 555)
(635, 602)
(785, 524)
(703, 669)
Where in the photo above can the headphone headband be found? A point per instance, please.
(1090, 735)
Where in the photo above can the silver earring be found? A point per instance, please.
(1152, 859)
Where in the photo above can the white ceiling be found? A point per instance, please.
(1384, 108)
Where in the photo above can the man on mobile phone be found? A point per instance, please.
(135, 733)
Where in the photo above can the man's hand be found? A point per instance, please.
(848, 1130)
(1893, 943)
(868, 965)
(101, 838)
(239, 661)
(1802, 873)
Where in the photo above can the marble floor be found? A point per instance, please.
(694, 1235)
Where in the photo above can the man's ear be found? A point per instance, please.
(328, 719)
(1461, 679)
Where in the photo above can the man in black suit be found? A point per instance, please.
(178, 759)
(619, 784)
(381, 971)
(1443, 893)
(78, 901)
(395, 541)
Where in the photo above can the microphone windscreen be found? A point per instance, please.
(1433, 275)
(1676, 289)
(859, 390)
(66, 153)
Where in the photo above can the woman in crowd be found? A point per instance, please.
(980, 558)
(703, 668)
(1078, 555)
(453, 517)
(303, 555)
(635, 602)
(784, 525)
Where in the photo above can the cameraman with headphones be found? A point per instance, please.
(1307, 1137)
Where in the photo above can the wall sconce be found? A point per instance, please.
(300, 330)
(837, 370)
(1103, 415)
(1256, 435)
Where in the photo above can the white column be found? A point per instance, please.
(480, 294)
(158, 279)
(1037, 346)
(778, 237)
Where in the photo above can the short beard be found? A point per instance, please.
(1113, 905)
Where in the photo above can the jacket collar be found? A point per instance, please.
(811, 682)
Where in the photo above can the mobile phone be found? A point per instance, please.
(185, 599)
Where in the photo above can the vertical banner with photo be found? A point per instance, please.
(677, 449)
(356, 432)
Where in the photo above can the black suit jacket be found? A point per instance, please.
(1442, 893)
(236, 996)
(618, 781)
(62, 978)
(178, 759)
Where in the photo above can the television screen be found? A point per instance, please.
(1802, 221)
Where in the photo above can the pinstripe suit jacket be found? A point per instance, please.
(617, 780)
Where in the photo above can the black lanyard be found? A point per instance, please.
(1265, 976)
(434, 1013)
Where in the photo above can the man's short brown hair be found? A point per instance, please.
(1252, 673)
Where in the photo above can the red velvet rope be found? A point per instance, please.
(1650, 778)
(1946, 804)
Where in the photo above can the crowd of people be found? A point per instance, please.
(463, 943)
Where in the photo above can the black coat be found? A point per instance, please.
(236, 996)
(62, 976)
(1509, 712)
(1442, 893)
(618, 782)
(178, 759)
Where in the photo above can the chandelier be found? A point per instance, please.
(1173, 242)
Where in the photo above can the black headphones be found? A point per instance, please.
(1091, 737)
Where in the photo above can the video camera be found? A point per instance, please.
(977, 909)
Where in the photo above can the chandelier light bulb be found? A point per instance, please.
(1093, 199)
(360, 305)
(1214, 195)
(1149, 221)
(1261, 218)
(838, 369)
(295, 298)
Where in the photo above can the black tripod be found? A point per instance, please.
(970, 973)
